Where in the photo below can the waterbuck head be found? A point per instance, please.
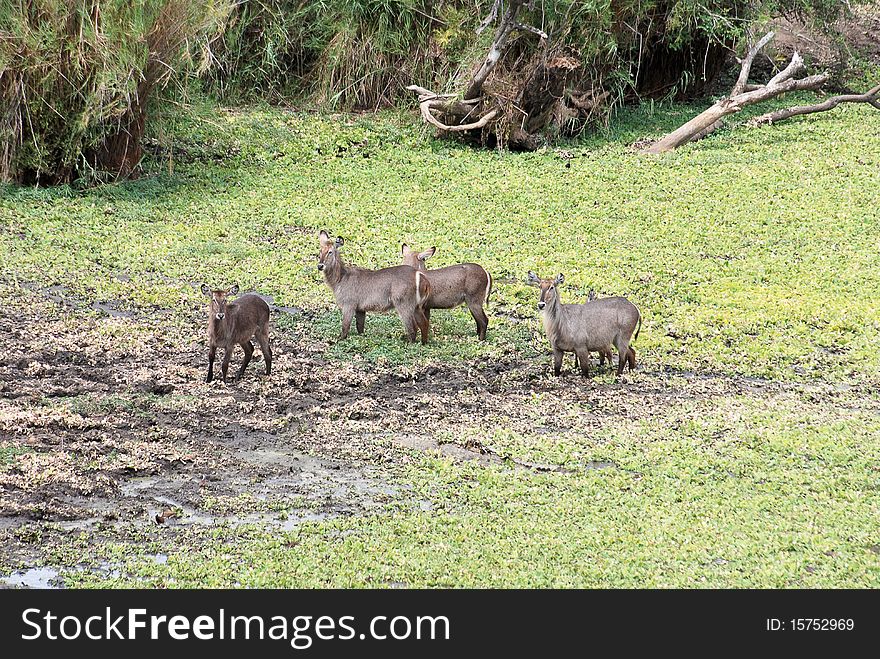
(217, 307)
(329, 254)
(415, 259)
(549, 288)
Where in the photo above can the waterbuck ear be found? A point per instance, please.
(325, 237)
(404, 248)
(233, 290)
(206, 291)
(428, 253)
(532, 278)
(559, 279)
(339, 242)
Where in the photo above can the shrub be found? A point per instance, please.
(77, 78)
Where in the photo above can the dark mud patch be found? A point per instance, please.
(477, 452)
(277, 308)
(63, 297)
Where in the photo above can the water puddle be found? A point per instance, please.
(35, 577)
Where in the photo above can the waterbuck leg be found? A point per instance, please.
(480, 317)
(263, 340)
(360, 318)
(410, 322)
(212, 353)
(248, 348)
(347, 315)
(422, 322)
(631, 358)
(227, 356)
(557, 361)
(622, 346)
(584, 358)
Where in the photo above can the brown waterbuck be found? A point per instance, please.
(236, 322)
(464, 283)
(359, 290)
(584, 328)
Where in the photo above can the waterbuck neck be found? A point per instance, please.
(220, 329)
(552, 307)
(334, 271)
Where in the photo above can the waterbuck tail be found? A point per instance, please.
(488, 286)
(423, 289)
(638, 327)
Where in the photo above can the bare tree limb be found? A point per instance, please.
(532, 29)
(794, 67)
(457, 128)
(502, 34)
(427, 94)
(871, 97)
(474, 110)
(743, 79)
(493, 14)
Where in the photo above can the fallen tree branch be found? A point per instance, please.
(742, 95)
(871, 97)
(457, 128)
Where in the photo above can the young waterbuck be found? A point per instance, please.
(231, 323)
(585, 328)
(465, 283)
(358, 290)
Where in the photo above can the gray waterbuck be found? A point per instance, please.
(464, 283)
(236, 322)
(584, 328)
(359, 290)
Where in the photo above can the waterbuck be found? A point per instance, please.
(590, 327)
(358, 290)
(465, 283)
(231, 323)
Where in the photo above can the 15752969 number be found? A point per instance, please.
(821, 624)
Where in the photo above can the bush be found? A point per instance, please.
(363, 53)
(340, 53)
(77, 76)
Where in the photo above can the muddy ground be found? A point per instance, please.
(107, 428)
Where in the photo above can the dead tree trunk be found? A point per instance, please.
(507, 25)
(481, 117)
(742, 95)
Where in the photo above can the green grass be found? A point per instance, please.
(753, 253)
